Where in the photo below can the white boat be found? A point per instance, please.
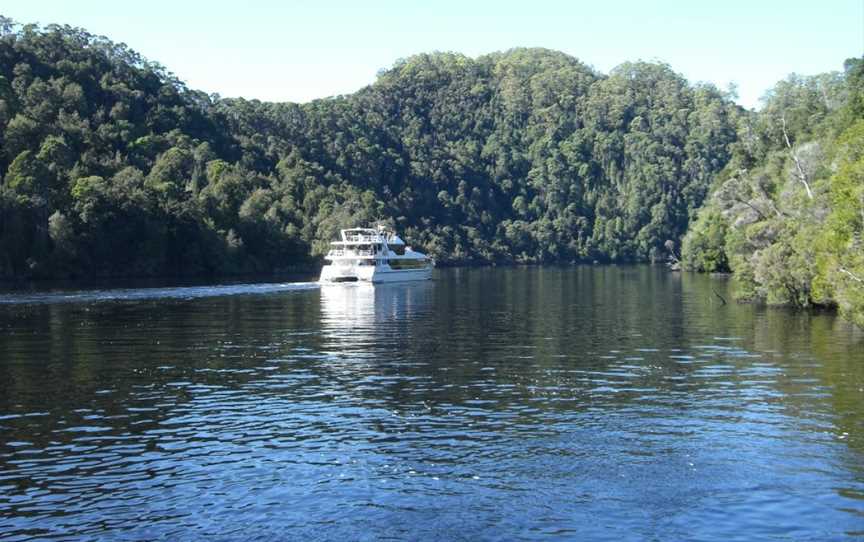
(374, 255)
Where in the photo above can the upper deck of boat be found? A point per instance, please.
(367, 236)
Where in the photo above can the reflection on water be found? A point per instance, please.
(621, 403)
(359, 309)
(361, 320)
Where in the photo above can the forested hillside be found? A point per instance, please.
(111, 166)
(787, 214)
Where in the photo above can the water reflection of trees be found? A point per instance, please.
(807, 345)
(820, 359)
(75, 362)
(488, 339)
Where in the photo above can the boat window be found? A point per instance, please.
(398, 249)
(406, 263)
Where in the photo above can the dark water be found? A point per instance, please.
(610, 403)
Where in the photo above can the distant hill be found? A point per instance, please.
(111, 166)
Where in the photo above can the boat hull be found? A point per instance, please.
(374, 274)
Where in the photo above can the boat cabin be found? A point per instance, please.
(374, 255)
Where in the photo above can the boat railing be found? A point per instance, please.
(338, 252)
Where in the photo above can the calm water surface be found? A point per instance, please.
(605, 403)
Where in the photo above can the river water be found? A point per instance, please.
(590, 403)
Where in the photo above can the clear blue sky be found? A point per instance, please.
(296, 51)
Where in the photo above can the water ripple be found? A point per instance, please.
(430, 411)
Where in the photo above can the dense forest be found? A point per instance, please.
(786, 215)
(111, 166)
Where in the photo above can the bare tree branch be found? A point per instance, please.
(851, 275)
(748, 204)
(801, 175)
(743, 179)
(757, 187)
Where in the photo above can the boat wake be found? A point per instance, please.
(139, 294)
